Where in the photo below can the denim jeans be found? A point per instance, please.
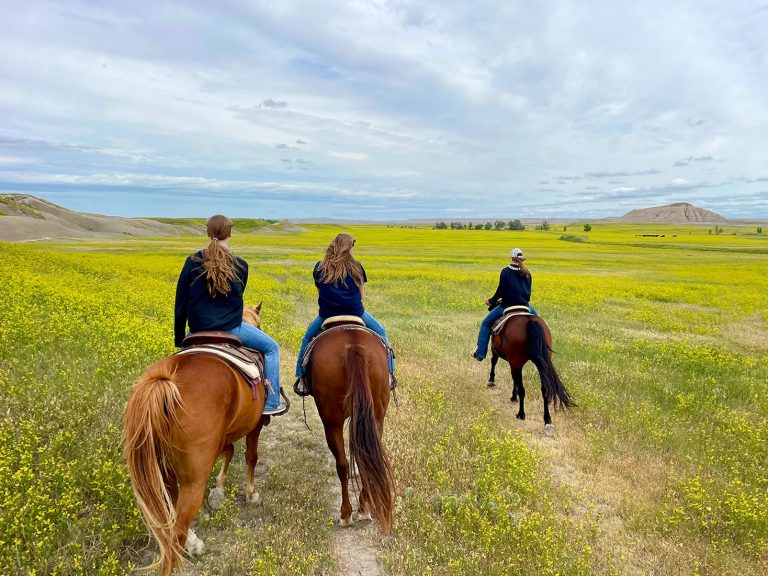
(252, 337)
(314, 329)
(485, 328)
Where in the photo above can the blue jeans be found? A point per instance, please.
(314, 329)
(252, 337)
(485, 328)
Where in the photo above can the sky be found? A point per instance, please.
(385, 110)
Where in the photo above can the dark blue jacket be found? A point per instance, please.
(195, 305)
(514, 289)
(339, 299)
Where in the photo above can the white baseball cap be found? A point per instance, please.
(517, 253)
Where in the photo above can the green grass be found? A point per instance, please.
(661, 335)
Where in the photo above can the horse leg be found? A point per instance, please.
(518, 388)
(547, 417)
(188, 505)
(492, 377)
(251, 458)
(216, 495)
(334, 436)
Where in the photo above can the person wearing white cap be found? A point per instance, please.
(514, 289)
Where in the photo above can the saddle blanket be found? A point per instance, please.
(247, 363)
(509, 313)
(303, 387)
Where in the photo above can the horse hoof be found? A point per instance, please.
(362, 516)
(216, 498)
(520, 416)
(513, 399)
(491, 384)
(254, 499)
(549, 430)
(345, 523)
(194, 546)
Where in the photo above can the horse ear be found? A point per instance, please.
(257, 308)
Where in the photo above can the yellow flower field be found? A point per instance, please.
(661, 335)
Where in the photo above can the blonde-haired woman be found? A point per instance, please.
(340, 280)
(209, 296)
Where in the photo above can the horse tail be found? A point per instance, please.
(365, 445)
(541, 355)
(150, 414)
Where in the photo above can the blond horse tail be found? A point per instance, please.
(365, 445)
(150, 413)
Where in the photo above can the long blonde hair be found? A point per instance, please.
(219, 264)
(338, 262)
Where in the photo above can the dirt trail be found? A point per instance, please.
(354, 548)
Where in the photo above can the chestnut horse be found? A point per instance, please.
(526, 338)
(182, 413)
(350, 379)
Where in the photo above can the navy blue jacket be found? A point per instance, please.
(339, 299)
(195, 305)
(514, 289)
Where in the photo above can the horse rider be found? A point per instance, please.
(514, 289)
(209, 296)
(340, 280)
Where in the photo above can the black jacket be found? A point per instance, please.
(194, 304)
(514, 288)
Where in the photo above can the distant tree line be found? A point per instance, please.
(497, 225)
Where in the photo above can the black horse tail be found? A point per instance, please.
(365, 445)
(540, 354)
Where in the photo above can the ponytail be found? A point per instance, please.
(524, 272)
(219, 264)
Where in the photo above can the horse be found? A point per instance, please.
(525, 338)
(349, 378)
(182, 413)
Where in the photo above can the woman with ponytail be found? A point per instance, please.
(514, 289)
(340, 280)
(209, 296)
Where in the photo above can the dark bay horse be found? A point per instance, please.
(526, 338)
(182, 413)
(350, 379)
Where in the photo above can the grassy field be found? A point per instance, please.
(661, 335)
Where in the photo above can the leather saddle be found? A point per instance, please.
(228, 347)
(509, 312)
(303, 386)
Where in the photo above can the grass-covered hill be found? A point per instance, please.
(24, 217)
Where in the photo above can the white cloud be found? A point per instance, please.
(452, 100)
(348, 155)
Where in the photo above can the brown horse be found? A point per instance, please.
(182, 413)
(526, 338)
(350, 379)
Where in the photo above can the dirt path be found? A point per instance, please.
(354, 547)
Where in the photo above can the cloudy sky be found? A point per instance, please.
(385, 109)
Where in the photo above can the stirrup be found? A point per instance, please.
(300, 387)
(392, 381)
(281, 408)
